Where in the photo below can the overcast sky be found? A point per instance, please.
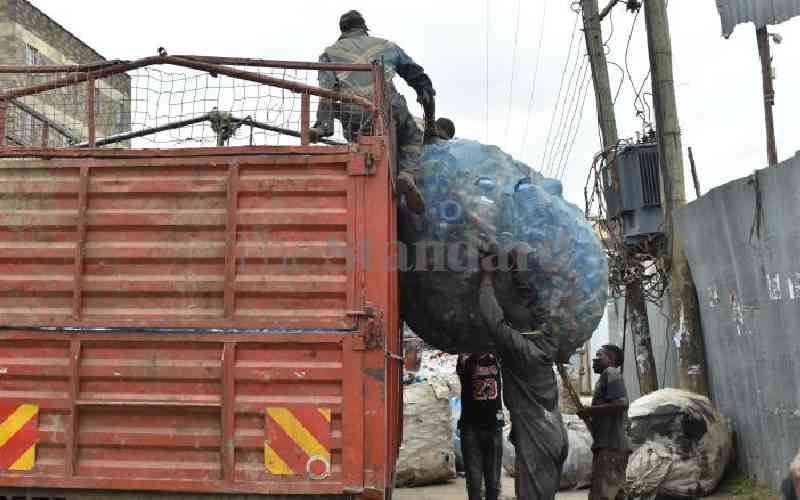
(718, 81)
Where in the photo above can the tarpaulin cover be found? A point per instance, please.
(577, 469)
(471, 188)
(426, 454)
(682, 445)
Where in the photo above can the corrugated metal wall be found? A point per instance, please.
(749, 292)
(760, 12)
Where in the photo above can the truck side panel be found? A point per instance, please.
(214, 323)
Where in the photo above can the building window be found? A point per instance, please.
(25, 128)
(119, 119)
(32, 55)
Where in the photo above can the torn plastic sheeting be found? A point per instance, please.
(682, 445)
(577, 469)
(426, 454)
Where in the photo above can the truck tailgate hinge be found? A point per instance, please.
(372, 334)
(362, 164)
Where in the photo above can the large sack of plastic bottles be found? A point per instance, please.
(476, 193)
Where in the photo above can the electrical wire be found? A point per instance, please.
(621, 81)
(560, 89)
(513, 71)
(487, 71)
(577, 128)
(640, 113)
(535, 76)
(568, 117)
(572, 85)
(561, 110)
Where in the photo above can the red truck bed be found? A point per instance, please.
(219, 320)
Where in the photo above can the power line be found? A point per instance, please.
(568, 112)
(637, 94)
(560, 123)
(513, 70)
(487, 71)
(572, 84)
(535, 76)
(577, 128)
(572, 112)
(560, 88)
(621, 81)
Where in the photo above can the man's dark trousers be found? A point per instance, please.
(482, 449)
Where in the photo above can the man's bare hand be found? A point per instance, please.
(486, 245)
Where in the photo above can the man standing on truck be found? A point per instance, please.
(527, 352)
(481, 423)
(356, 46)
(608, 416)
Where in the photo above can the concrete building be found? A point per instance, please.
(57, 117)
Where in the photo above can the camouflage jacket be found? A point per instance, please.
(357, 47)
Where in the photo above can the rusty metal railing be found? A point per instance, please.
(75, 75)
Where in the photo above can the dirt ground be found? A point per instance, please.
(456, 490)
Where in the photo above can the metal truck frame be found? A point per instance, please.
(199, 320)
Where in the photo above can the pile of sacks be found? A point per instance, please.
(427, 453)
(682, 445)
(577, 469)
(472, 189)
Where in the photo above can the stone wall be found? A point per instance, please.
(23, 24)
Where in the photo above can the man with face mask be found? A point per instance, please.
(527, 351)
(608, 416)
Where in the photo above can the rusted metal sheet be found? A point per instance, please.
(759, 12)
(155, 307)
(197, 242)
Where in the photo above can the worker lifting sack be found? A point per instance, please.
(472, 189)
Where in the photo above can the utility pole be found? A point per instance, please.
(592, 31)
(634, 298)
(762, 37)
(685, 327)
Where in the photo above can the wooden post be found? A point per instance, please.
(640, 333)
(762, 38)
(606, 118)
(685, 328)
(593, 33)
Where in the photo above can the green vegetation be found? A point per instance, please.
(744, 488)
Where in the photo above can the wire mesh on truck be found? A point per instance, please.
(183, 101)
